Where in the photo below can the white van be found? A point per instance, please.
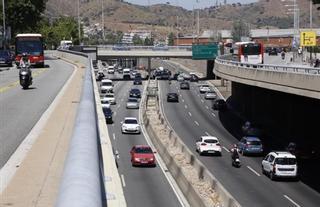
(106, 86)
(126, 73)
(110, 69)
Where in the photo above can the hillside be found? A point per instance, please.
(120, 15)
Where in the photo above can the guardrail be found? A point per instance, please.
(226, 60)
(81, 181)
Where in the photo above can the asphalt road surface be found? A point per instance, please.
(21, 109)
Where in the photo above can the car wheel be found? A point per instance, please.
(272, 176)
(262, 169)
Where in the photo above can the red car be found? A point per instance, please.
(142, 155)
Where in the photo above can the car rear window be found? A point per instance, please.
(210, 141)
(143, 150)
(133, 100)
(285, 161)
(109, 95)
(131, 121)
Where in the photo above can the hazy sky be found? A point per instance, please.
(188, 4)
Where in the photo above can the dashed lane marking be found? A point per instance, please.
(196, 123)
(213, 114)
(185, 106)
(292, 201)
(122, 180)
(226, 149)
(190, 114)
(255, 172)
(207, 107)
(114, 136)
(207, 134)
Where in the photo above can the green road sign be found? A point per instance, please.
(204, 52)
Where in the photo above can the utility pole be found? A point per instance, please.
(198, 22)
(4, 25)
(102, 16)
(177, 30)
(310, 14)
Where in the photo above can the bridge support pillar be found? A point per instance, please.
(149, 67)
(210, 66)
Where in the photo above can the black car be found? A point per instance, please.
(137, 80)
(108, 115)
(172, 97)
(184, 86)
(219, 104)
(194, 78)
(5, 58)
(135, 92)
(175, 76)
(273, 51)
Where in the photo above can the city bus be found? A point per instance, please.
(248, 52)
(32, 44)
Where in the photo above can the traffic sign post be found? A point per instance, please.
(204, 52)
(308, 38)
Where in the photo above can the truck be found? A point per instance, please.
(66, 44)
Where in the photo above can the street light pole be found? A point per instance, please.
(79, 33)
(4, 25)
(102, 16)
(310, 14)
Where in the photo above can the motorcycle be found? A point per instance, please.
(283, 55)
(25, 77)
(236, 162)
(235, 158)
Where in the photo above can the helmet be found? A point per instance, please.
(24, 54)
(234, 145)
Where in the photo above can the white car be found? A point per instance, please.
(109, 97)
(105, 103)
(130, 125)
(111, 69)
(209, 145)
(280, 164)
(180, 78)
(204, 88)
(210, 95)
(106, 86)
(133, 103)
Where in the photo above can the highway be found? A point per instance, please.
(193, 117)
(21, 109)
(143, 186)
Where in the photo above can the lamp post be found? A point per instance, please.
(4, 25)
(102, 18)
(79, 33)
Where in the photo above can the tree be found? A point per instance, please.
(171, 39)
(148, 42)
(240, 29)
(137, 40)
(24, 15)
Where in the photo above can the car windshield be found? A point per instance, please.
(210, 141)
(135, 90)
(104, 101)
(130, 121)
(205, 86)
(106, 83)
(109, 95)
(254, 142)
(285, 161)
(143, 150)
(107, 110)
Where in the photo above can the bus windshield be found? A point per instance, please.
(251, 49)
(31, 47)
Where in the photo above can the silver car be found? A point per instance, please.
(210, 95)
(133, 103)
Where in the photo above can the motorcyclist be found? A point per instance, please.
(283, 55)
(234, 151)
(24, 60)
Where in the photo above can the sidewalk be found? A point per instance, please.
(37, 179)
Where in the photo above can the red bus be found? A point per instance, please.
(32, 44)
(249, 52)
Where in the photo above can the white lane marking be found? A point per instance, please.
(114, 136)
(123, 182)
(182, 100)
(213, 114)
(294, 203)
(255, 172)
(207, 134)
(226, 149)
(185, 106)
(196, 123)
(190, 114)
(202, 100)
(207, 107)
(199, 95)
(118, 106)
(177, 87)
(115, 113)
(180, 95)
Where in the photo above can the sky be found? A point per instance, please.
(188, 4)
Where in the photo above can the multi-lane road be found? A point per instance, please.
(143, 186)
(21, 109)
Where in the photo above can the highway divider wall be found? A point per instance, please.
(90, 176)
(199, 186)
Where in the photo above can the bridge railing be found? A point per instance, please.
(227, 60)
(170, 48)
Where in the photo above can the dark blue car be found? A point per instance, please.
(250, 145)
(135, 93)
(5, 58)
